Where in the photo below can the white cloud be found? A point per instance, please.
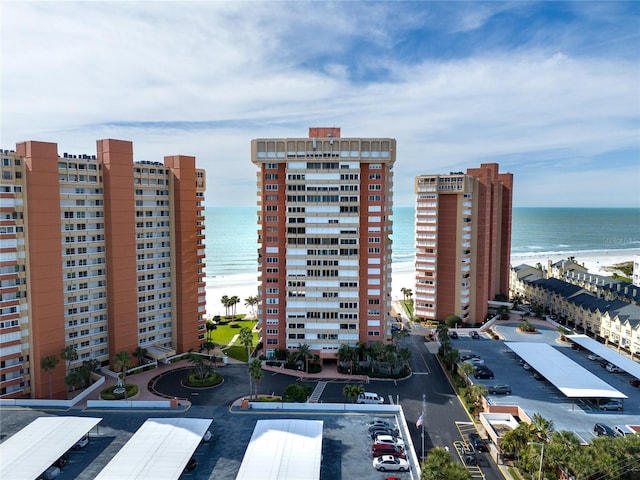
(76, 72)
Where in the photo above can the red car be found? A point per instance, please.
(380, 449)
(635, 382)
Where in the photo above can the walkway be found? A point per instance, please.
(328, 373)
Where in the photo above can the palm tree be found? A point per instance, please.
(122, 363)
(303, 354)
(210, 326)
(246, 339)
(69, 353)
(233, 301)
(405, 292)
(256, 373)
(376, 350)
(252, 302)
(440, 465)
(47, 364)
(225, 303)
(352, 391)
(467, 369)
(346, 354)
(140, 353)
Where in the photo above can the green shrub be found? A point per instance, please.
(107, 393)
(193, 381)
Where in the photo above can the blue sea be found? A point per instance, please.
(231, 235)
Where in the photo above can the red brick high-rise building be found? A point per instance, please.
(325, 206)
(98, 253)
(463, 242)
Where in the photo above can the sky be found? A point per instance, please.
(549, 90)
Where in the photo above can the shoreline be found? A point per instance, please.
(244, 285)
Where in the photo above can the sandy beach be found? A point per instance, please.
(244, 286)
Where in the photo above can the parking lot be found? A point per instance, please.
(538, 395)
(346, 446)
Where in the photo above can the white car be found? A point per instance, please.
(593, 356)
(389, 462)
(474, 361)
(83, 442)
(613, 369)
(207, 436)
(390, 439)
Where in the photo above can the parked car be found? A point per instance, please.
(477, 442)
(612, 404)
(206, 437)
(623, 430)
(62, 461)
(474, 335)
(83, 442)
(500, 388)
(390, 439)
(613, 369)
(383, 431)
(537, 376)
(380, 449)
(191, 464)
(50, 473)
(526, 366)
(453, 335)
(369, 397)
(594, 357)
(634, 382)
(467, 356)
(378, 422)
(602, 430)
(484, 373)
(389, 462)
(474, 361)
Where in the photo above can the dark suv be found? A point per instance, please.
(477, 442)
(602, 430)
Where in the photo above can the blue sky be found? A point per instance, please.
(549, 90)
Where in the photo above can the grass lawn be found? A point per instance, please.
(224, 333)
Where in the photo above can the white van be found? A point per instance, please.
(623, 430)
(369, 397)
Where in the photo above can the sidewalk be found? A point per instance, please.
(328, 373)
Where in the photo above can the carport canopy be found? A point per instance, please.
(566, 375)
(160, 448)
(28, 453)
(606, 353)
(287, 449)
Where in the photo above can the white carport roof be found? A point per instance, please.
(160, 449)
(28, 453)
(611, 356)
(566, 375)
(284, 449)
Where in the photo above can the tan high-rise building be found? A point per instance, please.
(325, 206)
(100, 254)
(463, 242)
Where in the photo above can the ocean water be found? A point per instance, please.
(231, 236)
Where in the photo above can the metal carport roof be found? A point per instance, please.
(566, 375)
(28, 453)
(160, 449)
(611, 356)
(284, 449)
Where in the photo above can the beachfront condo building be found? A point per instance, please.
(99, 255)
(463, 242)
(324, 220)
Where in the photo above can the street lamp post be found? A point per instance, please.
(541, 457)
(423, 406)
